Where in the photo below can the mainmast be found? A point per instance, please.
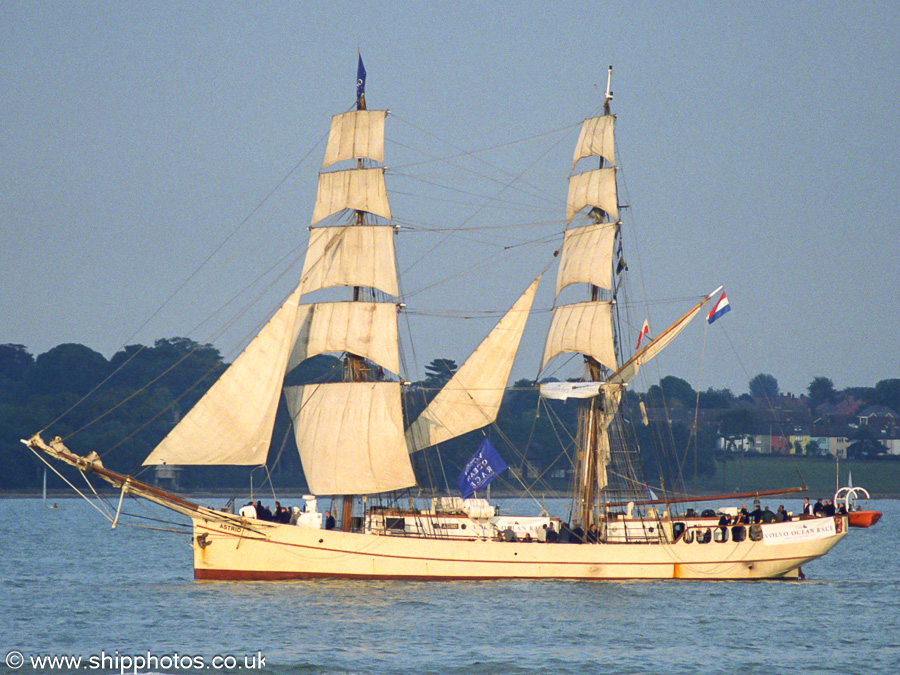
(593, 448)
(587, 327)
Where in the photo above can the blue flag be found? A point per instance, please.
(486, 464)
(360, 79)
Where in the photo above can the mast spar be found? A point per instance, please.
(594, 416)
(354, 365)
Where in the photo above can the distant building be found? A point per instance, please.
(167, 476)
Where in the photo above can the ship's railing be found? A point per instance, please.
(704, 533)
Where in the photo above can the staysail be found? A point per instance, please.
(232, 423)
(472, 397)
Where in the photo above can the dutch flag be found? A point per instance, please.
(721, 307)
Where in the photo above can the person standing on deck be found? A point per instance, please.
(552, 535)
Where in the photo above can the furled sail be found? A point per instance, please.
(563, 391)
(586, 256)
(368, 329)
(359, 189)
(350, 256)
(471, 399)
(596, 139)
(595, 188)
(606, 413)
(584, 327)
(232, 423)
(356, 134)
(350, 437)
(630, 368)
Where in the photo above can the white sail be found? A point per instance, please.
(563, 391)
(359, 189)
(232, 423)
(593, 188)
(350, 256)
(471, 399)
(350, 437)
(611, 396)
(356, 134)
(596, 139)
(586, 256)
(368, 329)
(583, 327)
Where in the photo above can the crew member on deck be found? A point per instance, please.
(577, 536)
(756, 514)
(329, 521)
(248, 510)
(552, 535)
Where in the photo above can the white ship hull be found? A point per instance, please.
(270, 551)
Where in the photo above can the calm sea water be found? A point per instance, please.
(71, 586)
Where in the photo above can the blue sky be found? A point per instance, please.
(757, 143)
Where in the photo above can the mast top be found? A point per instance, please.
(360, 83)
(609, 94)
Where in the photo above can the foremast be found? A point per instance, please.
(355, 367)
(350, 434)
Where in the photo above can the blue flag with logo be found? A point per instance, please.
(360, 79)
(486, 464)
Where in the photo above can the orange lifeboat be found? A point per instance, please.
(863, 518)
(856, 517)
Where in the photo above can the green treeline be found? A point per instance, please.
(122, 407)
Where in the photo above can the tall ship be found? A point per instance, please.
(357, 440)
